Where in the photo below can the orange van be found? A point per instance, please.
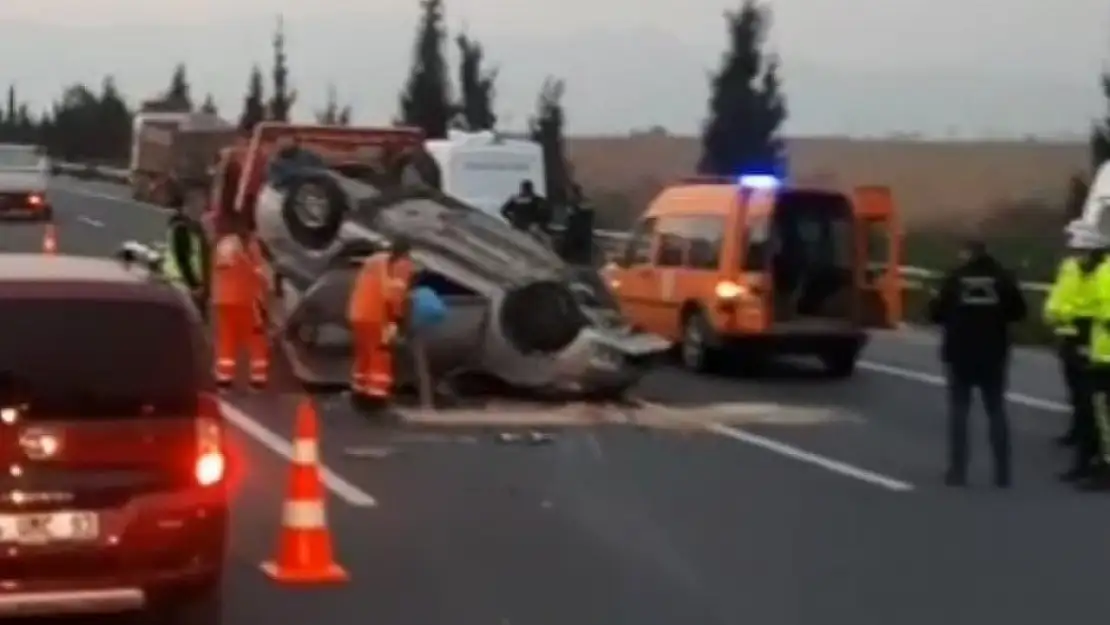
(754, 268)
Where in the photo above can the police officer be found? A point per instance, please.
(1068, 311)
(187, 261)
(975, 305)
(526, 210)
(1098, 477)
(577, 245)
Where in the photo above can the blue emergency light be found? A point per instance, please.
(759, 181)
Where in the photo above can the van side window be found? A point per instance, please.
(672, 242)
(758, 242)
(706, 238)
(638, 249)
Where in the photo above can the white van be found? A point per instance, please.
(484, 169)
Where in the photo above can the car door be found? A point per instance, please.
(878, 257)
(632, 277)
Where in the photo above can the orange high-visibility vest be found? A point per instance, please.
(380, 291)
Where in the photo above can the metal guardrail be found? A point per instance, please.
(914, 276)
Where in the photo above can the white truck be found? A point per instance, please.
(173, 152)
(484, 169)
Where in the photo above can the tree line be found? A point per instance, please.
(741, 133)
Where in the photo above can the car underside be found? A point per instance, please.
(518, 314)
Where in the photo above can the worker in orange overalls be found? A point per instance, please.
(238, 291)
(378, 305)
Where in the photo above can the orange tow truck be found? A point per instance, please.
(750, 268)
(381, 155)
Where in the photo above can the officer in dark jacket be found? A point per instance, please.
(526, 210)
(975, 306)
(577, 245)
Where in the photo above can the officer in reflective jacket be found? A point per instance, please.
(187, 258)
(1099, 376)
(975, 306)
(1068, 311)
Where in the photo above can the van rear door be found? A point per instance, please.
(879, 257)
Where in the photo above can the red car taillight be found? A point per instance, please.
(211, 463)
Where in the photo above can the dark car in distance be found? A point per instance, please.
(113, 494)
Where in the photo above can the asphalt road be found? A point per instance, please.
(819, 505)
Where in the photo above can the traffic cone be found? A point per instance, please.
(50, 240)
(305, 547)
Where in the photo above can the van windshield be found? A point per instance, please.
(106, 359)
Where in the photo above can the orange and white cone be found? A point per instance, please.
(50, 240)
(305, 546)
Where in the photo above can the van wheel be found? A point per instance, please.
(840, 362)
(694, 351)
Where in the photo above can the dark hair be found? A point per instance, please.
(399, 248)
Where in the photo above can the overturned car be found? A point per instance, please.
(517, 313)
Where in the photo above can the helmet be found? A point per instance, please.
(1082, 236)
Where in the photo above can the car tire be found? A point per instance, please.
(694, 350)
(542, 317)
(840, 362)
(320, 232)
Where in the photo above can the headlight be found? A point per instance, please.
(730, 290)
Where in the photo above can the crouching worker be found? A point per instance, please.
(377, 308)
(238, 290)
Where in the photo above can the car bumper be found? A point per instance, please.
(43, 212)
(151, 556)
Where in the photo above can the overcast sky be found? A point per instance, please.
(936, 67)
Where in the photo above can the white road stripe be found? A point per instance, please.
(90, 221)
(275, 443)
(1020, 399)
(801, 455)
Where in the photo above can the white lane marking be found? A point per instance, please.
(1020, 399)
(801, 455)
(275, 443)
(114, 198)
(90, 221)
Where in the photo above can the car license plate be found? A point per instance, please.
(48, 527)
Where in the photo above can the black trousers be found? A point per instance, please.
(989, 379)
(1078, 379)
(1099, 380)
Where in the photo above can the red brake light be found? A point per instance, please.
(34, 200)
(211, 464)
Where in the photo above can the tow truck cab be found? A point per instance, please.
(756, 268)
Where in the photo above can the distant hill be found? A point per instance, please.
(935, 183)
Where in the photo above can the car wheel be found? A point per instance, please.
(313, 210)
(840, 362)
(694, 351)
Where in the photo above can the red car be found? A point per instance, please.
(113, 494)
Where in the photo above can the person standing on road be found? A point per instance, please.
(527, 211)
(976, 304)
(238, 291)
(376, 310)
(186, 262)
(1068, 311)
(1099, 377)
